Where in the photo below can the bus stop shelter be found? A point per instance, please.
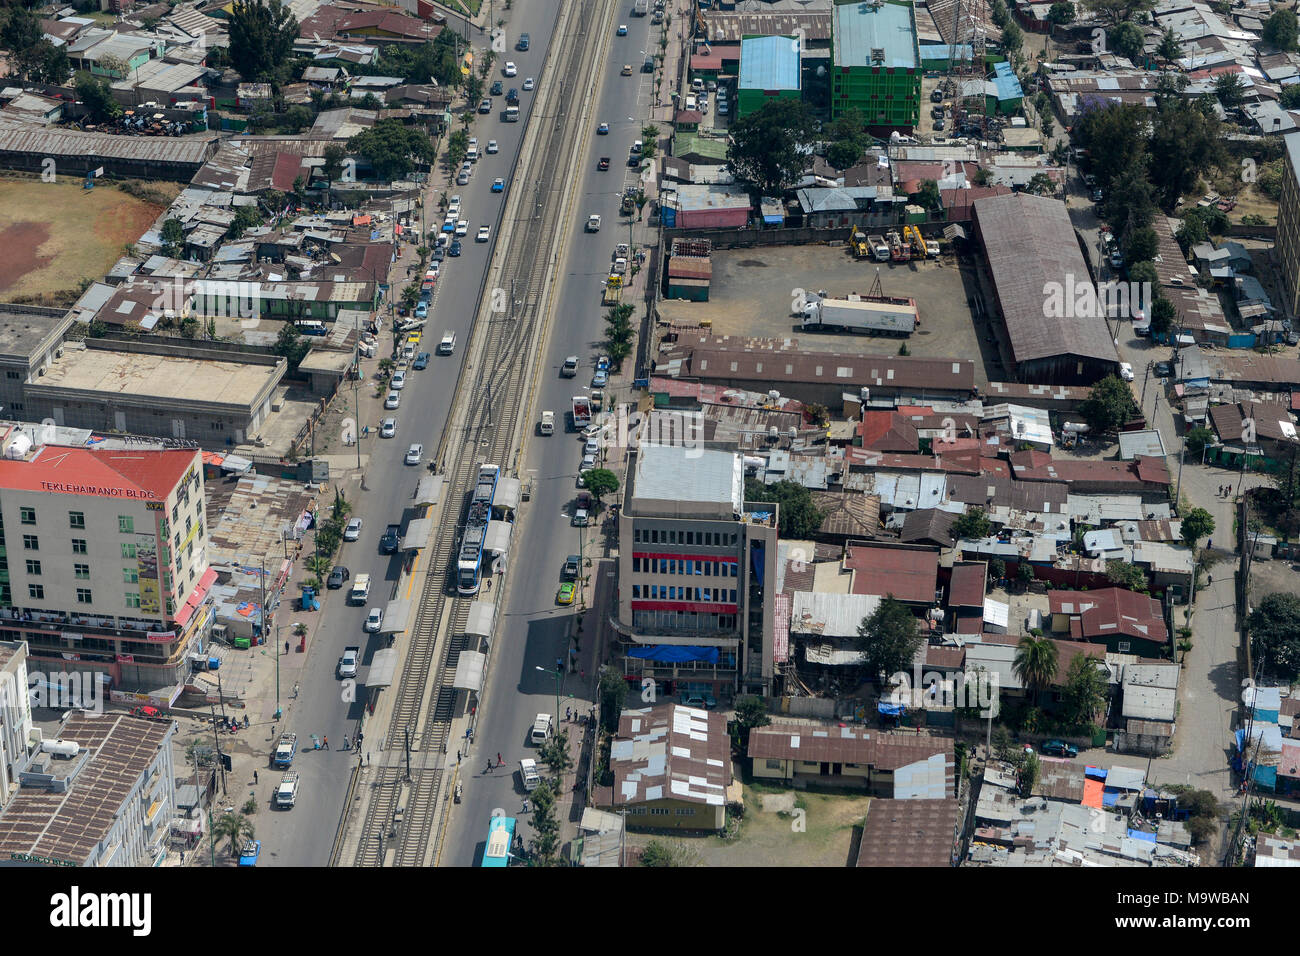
(469, 671)
(418, 533)
(482, 618)
(429, 490)
(395, 616)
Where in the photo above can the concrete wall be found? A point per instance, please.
(673, 815)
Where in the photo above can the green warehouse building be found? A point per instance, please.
(769, 69)
(876, 64)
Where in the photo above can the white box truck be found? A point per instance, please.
(541, 731)
(360, 589)
(286, 795)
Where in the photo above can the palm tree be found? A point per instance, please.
(341, 508)
(1035, 664)
(235, 826)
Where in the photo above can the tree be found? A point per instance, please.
(1197, 524)
(1024, 573)
(1275, 634)
(473, 88)
(1130, 200)
(1280, 30)
(236, 827)
(20, 32)
(769, 148)
(1085, 691)
(1163, 314)
(1109, 405)
(751, 712)
(173, 237)
(1229, 90)
(889, 639)
(1013, 38)
(246, 217)
(974, 523)
(1028, 774)
(1143, 272)
(289, 343)
(1117, 11)
(1041, 184)
(1185, 139)
(848, 139)
(1142, 245)
(1126, 39)
(1169, 49)
(1125, 575)
(546, 829)
(457, 147)
(555, 754)
(797, 516)
(1035, 663)
(613, 693)
(392, 149)
(262, 34)
(1061, 13)
(601, 482)
(1115, 135)
(96, 96)
(1197, 439)
(928, 197)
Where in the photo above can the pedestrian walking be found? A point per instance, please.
(489, 584)
(499, 760)
(254, 776)
(286, 647)
(489, 767)
(326, 743)
(457, 756)
(568, 714)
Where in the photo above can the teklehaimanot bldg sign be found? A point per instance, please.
(101, 491)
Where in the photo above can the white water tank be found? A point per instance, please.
(753, 464)
(61, 748)
(1077, 428)
(19, 447)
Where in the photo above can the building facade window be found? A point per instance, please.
(128, 552)
(132, 599)
(27, 515)
(81, 571)
(126, 524)
(76, 519)
(130, 576)
(31, 542)
(79, 546)
(33, 567)
(83, 595)
(36, 592)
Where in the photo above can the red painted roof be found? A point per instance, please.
(967, 586)
(905, 574)
(145, 474)
(887, 431)
(1112, 611)
(286, 170)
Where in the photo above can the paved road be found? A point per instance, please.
(303, 837)
(533, 630)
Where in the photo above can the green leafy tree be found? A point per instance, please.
(1126, 40)
(1229, 90)
(1013, 38)
(974, 523)
(1115, 136)
(1197, 439)
(613, 694)
(751, 712)
(473, 88)
(173, 237)
(1143, 272)
(1186, 139)
(1109, 405)
(797, 516)
(1125, 575)
(1085, 691)
(1169, 49)
(1274, 628)
(888, 639)
(96, 96)
(555, 754)
(1041, 184)
(1142, 245)
(1163, 314)
(545, 842)
(1280, 30)
(20, 31)
(1117, 11)
(1197, 523)
(262, 34)
(1027, 776)
(457, 147)
(929, 197)
(392, 149)
(601, 482)
(769, 148)
(290, 344)
(1061, 13)
(848, 139)
(246, 217)
(1035, 664)
(1130, 200)
(234, 827)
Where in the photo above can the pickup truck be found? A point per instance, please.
(285, 750)
(286, 794)
(391, 538)
(348, 662)
(360, 592)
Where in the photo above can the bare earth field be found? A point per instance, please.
(56, 234)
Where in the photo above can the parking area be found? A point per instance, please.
(753, 291)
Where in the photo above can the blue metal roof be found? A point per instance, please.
(769, 63)
(1008, 86)
(859, 28)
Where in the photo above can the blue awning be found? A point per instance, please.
(673, 654)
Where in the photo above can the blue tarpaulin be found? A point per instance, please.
(676, 655)
(892, 710)
(1109, 798)
(1142, 835)
(1097, 773)
(757, 555)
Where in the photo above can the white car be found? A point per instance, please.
(592, 446)
(353, 531)
(484, 233)
(388, 428)
(462, 227)
(1126, 371)
(399, 381)
(414, 454)
(492, 147)
(393, 400)
(588, 463)
(529, 85)
(510, 69)
(375, 620)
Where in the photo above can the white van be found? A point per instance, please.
(448, 343)
(311, 327)
(541, 729)
(528, 774)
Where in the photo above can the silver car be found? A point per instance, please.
(353, 531)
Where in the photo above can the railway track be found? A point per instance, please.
(496, 391)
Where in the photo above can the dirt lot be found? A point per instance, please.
(794, 829)
(56, 234)
(751, 295)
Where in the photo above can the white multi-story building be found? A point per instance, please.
(103, 555)
(697, 574)
(15, 715)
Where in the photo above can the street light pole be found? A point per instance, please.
(558, 674)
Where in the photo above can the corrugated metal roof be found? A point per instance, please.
(860, 28)
(769, 63)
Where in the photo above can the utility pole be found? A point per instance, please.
(216, 738)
